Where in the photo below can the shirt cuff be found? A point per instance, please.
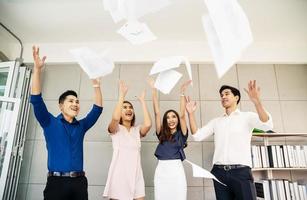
(197, 136)
(269, 123)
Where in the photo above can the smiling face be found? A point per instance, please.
(70, 107)
(228, 99)
(127, 112)
(172, 121)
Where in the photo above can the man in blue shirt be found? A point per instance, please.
(64, 136)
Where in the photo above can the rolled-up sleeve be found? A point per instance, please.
(204, 132)
(255, 121)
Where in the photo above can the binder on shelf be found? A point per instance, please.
(270, 155)
(287, 189)
(286, 156)
(280, 189)
(279, 156)
(274, 155)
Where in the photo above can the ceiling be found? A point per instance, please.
(77, 21)
(279, 29)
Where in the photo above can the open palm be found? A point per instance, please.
(38, 62)
(253, 91)
(190, 105)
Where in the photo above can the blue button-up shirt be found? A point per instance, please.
(64, 140)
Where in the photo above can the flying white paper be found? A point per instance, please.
(115, 8)
(171, 62)
(224, 59)
(228, 32)
(166, 80)
(136, 32)
(165, 64)
(94, 66)
(201, 172)
(133, 9)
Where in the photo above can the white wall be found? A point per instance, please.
(196, 51)
(284, 94)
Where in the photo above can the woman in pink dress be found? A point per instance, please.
(125, 178)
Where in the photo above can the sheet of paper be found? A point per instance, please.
(201, 172)
(230, 22)
(165, 64)
(166, 80)
(223, 58)
(144, 7)
(94, 66)
(228, 32)
(137, 33)
(189, 69)
(115, 8)
(171, 62)
(133, 9)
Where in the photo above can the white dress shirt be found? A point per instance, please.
(232, 136)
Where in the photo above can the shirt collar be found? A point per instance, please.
(236, 112)
(61, 117)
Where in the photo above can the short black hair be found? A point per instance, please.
(65, 94)
(233, 90)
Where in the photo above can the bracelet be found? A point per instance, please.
(96, 86)
(182, 95)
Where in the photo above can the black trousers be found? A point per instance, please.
(66, 188)
(240, 184)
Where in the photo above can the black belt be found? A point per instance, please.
(66, 174)
(229, 167)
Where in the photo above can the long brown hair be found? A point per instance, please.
(133, 119)
(165, 132)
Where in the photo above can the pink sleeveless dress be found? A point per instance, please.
(125, 178)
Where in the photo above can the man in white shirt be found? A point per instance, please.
(232, 139)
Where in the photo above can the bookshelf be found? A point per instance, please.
(280, 165)
(279, 169)
(284, 138)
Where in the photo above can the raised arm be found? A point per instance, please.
(98, 99)
(117, 111)
(36, 76)
(191, 107)
(183, 122)
(254, 95)
(145, 127)
(155, 105)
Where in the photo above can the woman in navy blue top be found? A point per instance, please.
(170, 181)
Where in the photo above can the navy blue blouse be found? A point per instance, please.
(170, 150)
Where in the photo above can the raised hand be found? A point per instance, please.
(123, 88)
(190, 105)
(185, 85)
(96, 82)
(38, 62)
(253, 92)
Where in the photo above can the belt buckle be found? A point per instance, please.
(56, 174)
(227, 167)
(73, 174)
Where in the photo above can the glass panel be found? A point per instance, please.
(6, 114)
(3, 79)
